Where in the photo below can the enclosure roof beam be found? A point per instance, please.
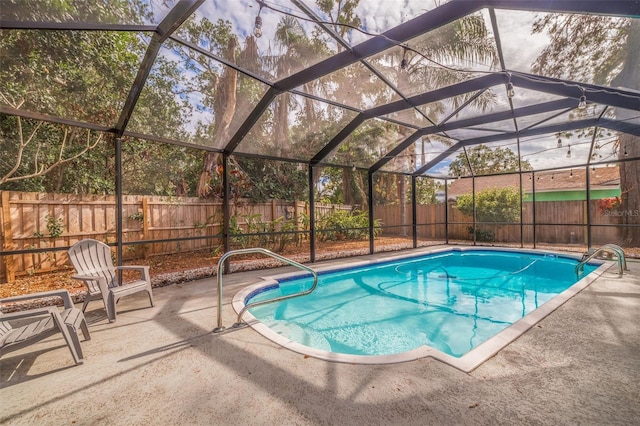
(551, 129)
(560, 104)
(457, 89)
(562, 127)
(443, 15)
(621, 126)
(169, 24)
(482, 119)
(424, 23)
(612, 96)
(396, 151)
(629, 128)
(252, 119)
(348, 46)
(4, 109)
(337, 139)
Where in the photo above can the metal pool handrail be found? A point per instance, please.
(617, 250)
(228, 254)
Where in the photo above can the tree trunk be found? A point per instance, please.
(281, 118)
(403, 204)
(347, 193)
(629, 78)
(224, 109)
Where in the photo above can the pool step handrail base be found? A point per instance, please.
(617, 250)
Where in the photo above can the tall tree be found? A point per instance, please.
(61, 73)
(419, 67)
(604, 50)
(224, 105)
(79, 75)
(484, 161)
(222, 91)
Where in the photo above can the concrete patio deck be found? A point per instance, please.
(163, 365)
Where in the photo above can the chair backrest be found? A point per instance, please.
(93, 258)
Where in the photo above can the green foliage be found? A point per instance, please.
(492, 205)
(159, 169)
(426, 189)
(251, 231)
(485, 160)
(107, 12)
(583, 47)
(55, 228)
(346, 225)
(76, 75)
(138, 216)
(483, 235)
(269, 180)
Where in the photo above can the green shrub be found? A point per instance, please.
(483, 235)
(345, 225)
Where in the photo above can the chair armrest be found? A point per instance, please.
(29, 313)
(87, 277)
(102, 282)
(144, 270)
(63, 294)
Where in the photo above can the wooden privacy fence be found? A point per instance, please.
(43, 220)
(557, 222)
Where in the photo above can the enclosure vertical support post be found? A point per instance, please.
(371, 212)
(312, 215)
(446, 212)
(473, 200)
(414, 211)
(226, 212)
(533, 202)
(521, 210)
(588, 184)
(119, 201)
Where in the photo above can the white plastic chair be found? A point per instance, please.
(93, 264)
(23, 328)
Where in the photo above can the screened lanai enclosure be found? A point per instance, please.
(316, 128)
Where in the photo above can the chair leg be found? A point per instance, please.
(75, 341)
(87, 299)
(150, 297)
(75, 321)
(71, 337)
(111, 306)
(85, 329)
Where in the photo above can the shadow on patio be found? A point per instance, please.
(163, 365)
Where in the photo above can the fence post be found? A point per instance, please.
(145, 223)
(8, 237)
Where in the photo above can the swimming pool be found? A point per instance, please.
(458, 305)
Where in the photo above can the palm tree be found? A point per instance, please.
(419, 66)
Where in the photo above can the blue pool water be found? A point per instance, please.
(451, 301)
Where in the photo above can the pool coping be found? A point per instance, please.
(468, 362)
